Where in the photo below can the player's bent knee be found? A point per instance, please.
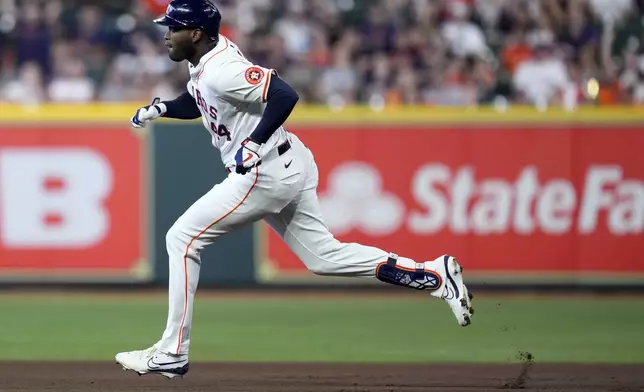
(321, 267)
(320, 270)
(176, 235)
(419, 278)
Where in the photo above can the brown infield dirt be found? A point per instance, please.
(247, 377)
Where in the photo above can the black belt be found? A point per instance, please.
(281, 150)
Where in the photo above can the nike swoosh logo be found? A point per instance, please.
(286, 165)
(451, 280)
(248, 157)
(450, 293)
(154, 365)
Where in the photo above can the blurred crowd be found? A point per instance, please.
(339, 52)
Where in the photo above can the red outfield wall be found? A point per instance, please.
(521, 196)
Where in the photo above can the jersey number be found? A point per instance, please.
(220, 130)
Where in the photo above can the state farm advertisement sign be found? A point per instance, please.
(70, 201)
(517, 201)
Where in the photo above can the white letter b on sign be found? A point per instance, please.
(53, 197)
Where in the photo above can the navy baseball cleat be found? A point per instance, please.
(153, 361)
(453, 289)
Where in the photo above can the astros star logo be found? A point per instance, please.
(254, 75)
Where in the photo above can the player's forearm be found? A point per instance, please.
(280, 101)
(183, 107)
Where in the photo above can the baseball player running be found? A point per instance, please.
(272, 176)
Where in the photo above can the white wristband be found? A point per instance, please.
(162, 107)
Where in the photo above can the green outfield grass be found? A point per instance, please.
(333, 329)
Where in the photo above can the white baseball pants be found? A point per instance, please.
(282, 191)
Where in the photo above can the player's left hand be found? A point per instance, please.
(247, 156)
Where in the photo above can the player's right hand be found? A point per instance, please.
(148, 113)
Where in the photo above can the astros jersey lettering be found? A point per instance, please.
(230, 92)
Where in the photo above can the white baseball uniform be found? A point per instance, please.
(231, 95)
